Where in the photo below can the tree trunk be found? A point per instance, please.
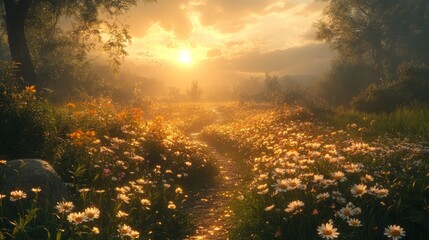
(16, 13)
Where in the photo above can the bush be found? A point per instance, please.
(412, 86)
(25, 118)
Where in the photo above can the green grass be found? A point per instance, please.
(410, 122)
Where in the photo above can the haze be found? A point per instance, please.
(224, 41)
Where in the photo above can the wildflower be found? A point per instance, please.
(394, 231)
(92, 213)
(381, 193)
(367, 178)
(134, 234)
(322, 196)
(36, 190)
(358, 190)
(179, 190)
(345, 212)
(30, 89)
(269, 208)
(171, 205)
(353, 222)
(17, 195)
(124, 198)
(327, 231)
(295, 207)
(2, 196)
(121, 214)
(339, 176)
(145, 202)
(71, 105)
(95, 230)
(124, 229)
(315, 212)
(64, 207)
(3, 162)
(84, 190)
(76, 217)
(317, 178)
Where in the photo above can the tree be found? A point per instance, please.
(195, 91)
(381, 33)
(272, 86)
(90, 19)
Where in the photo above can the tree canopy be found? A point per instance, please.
(381, 33)
(34, 30)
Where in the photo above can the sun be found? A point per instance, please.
(185, 56)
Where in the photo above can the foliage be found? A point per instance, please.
(379, 42)
(410, 121)
(58, 49)
(412, 86)
(26, 120)
(195, 91)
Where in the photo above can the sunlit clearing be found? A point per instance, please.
(185, 56)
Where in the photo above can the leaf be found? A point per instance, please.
(30, 216)
(58, 237)
(80, 171)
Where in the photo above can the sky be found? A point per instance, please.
(188, 40)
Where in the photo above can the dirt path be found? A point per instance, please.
(209, 207)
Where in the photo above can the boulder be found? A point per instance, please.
(25, 174)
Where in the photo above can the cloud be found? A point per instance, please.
(215, 52)
(311, 59)
(170, 15)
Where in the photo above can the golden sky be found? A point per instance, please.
(193, 39)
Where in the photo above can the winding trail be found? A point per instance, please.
(209, 206)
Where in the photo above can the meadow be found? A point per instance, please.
(315, 179)
(131, 170)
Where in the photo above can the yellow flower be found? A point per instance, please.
(17, 195)
(92, 213)
(124, 229)
(171, 205)
(3, 162)
(36, 190)
(145, 202)
(179, 190)
(294, 207)
(95, 230)
(121, 214)
(64, 207)
(358, 190)
(327, 231)
(77, 217)
(134, 234)
(394, 231)
(353, 222)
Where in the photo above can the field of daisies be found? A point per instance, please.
(130, 171)
(314, 181)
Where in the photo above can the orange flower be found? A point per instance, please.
(90, 134)
(71, 105)
(76, 134)
(30, 89)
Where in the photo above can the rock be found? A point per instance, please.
(25, 174)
